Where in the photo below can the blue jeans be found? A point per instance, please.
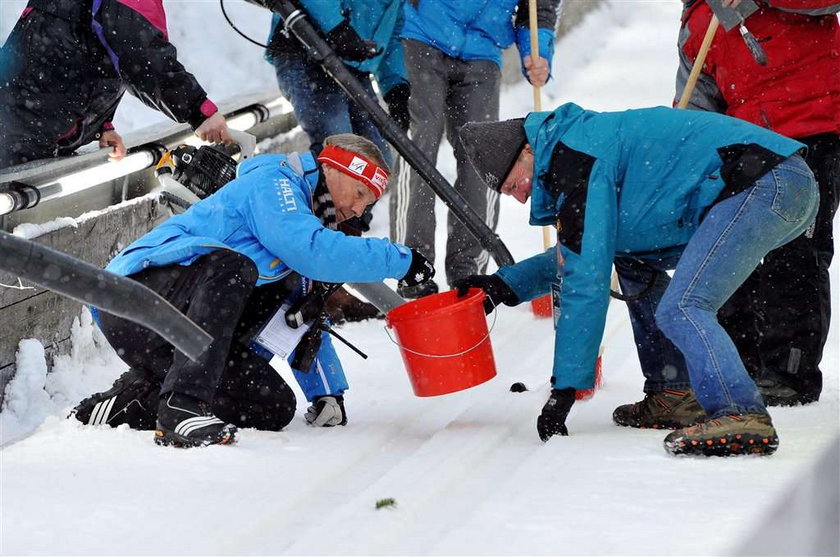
(662, 363)
(321, 107)
(728, 245)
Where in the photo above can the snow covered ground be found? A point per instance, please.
(467, 471)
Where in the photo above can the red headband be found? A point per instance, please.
(356, 166)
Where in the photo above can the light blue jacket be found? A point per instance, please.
(380, 21)
(635, 183)
(478, 29)
(266, 214)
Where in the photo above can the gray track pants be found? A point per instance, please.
(445, 92)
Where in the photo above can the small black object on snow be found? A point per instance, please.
(518, 388)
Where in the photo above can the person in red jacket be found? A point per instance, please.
(67, 64)
(779, 318)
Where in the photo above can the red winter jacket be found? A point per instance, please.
(797, 93)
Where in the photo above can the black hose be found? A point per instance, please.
(112, 293)
(235, 28)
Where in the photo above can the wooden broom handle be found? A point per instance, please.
(535, 47)
(535, 51)
(698, 62)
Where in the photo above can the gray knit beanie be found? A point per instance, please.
(493, 147)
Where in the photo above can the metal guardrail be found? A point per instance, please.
(39, 191)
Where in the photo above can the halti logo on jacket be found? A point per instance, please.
(358, 165)
(285, 194)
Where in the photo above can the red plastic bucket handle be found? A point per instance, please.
(461, 353)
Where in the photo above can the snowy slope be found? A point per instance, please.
(467, 470)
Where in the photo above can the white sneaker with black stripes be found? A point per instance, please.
(184, 421)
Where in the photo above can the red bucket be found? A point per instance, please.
(444, 342)
(542, 306)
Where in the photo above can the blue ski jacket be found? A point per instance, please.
(634, 183)
(480, 29)
(266, 214)
(380, 21)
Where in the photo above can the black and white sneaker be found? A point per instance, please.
(184, 421)
(132, 400)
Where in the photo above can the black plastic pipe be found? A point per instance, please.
(112, 293)
(296, 22)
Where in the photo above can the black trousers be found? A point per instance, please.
(779, 318)
(218, 293)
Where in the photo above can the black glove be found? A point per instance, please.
(326, 411)
(349, 45)
(420, 270)
(397, 101)
(497, 290)
(552, 419)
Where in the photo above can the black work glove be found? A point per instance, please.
(348, 45)
(420, 270)
(326, 411)
(552, 419)
(497, 290)
(397, 101)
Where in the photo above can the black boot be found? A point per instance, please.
(132, 400)
(184, 421)
(780, 389)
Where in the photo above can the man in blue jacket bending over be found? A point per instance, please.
(228, 263)
(700, 193)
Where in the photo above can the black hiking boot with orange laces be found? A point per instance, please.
(668, 409)
(737, 434)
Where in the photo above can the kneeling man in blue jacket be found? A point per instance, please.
(229, 263)
(651, 190)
